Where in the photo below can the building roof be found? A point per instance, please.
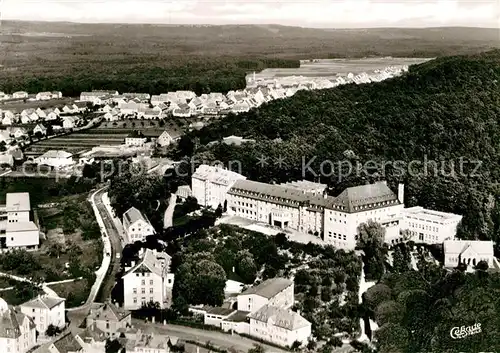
(480, 247)
(220, 311)
(11, 320)
(67, 344)
(354, 198)
(238, 316)
(152, 261)
(44, 302)
(18, 201)
(108, 312)
(306, 185)
(21, 226)
(56, 154)
(216, 175)
(269, 288)
(133, 215)
(280, 317)
(430, 215)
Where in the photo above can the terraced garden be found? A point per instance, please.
(108, 133)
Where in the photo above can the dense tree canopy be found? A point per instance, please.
(441, 116)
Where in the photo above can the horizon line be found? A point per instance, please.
(235, 24)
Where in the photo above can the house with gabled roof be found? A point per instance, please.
(274, 291)
(20, 95)
(149, 280)
(45, 310)
(468, 252)
(39, 128)
(108, 318)
(17, 330)
(137, 227)
(279, 326)
(41, 113)
(67, 344)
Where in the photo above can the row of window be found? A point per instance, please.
(143, 290)
(424, 227)
(143, 300)
(337, 236)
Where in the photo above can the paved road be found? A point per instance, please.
(116, 247)
(169, 212)
(222, 340)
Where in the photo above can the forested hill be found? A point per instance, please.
(439, 113)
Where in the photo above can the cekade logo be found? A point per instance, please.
(462, 332)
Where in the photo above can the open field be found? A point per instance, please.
(156, 59)
(19, 106)
(108, 133)
(333, 67)
(76, 293)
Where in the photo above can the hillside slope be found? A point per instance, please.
(413, 129)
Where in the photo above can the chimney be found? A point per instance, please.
(152, 319)
(401, 193)
(234, 270)
(132, 263)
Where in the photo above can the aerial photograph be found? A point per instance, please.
(229, 176)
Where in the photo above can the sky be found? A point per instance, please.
(312, 13)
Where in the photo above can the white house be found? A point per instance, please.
(67, 344)
(42, 96)
(428, 226)
(45, 311)
(233, 287)
(16, 229)
(148, 281)
(275, 291)
(18, 132)
(41, 114)
(468, 252)
(135, 140)
(111, 117)
(136, 226)
(108, 318)
(279, 326)
(7, 120)
(40, 129)
(55, 159)
(69, 122)
(210, 184)
(164, 139)
(17, 331)
(20, 95)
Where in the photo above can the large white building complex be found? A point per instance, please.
(210, 185)
(45, 311)
(148, 281)
(431, 227)
(136, 225)
(307, 209)
(17, 330)
(16, 229)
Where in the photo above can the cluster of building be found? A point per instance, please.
(186, 104)
(306, 207)
(263, 312)
(324, 82)
(17, 230)
(24, 328)
(21, 327)
(32, 115)
(40, 96)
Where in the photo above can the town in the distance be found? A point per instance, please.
(266, 219)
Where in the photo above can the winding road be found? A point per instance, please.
(169, 212)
